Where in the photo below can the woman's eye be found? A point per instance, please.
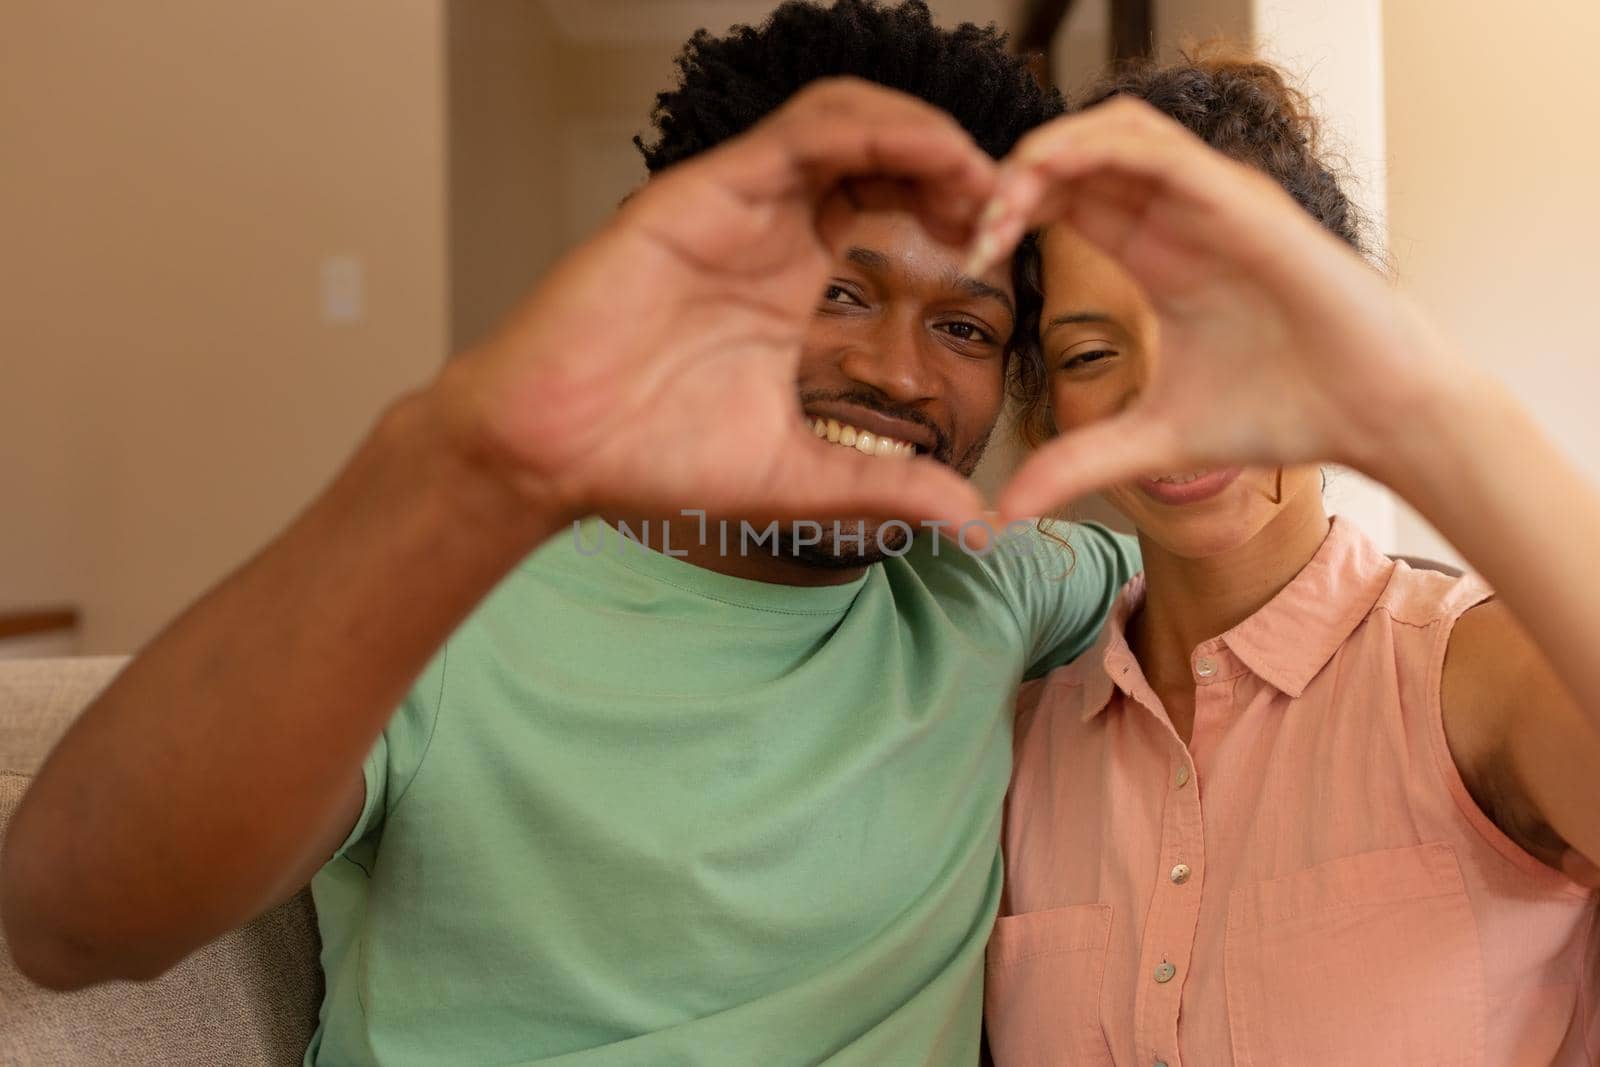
(1087, 359)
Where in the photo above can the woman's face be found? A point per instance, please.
(1099, 337)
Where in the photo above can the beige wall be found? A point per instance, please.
(1182, 24)
(541, 123)
(1493, 221)
(174, 175)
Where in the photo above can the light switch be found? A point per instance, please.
(343, 296)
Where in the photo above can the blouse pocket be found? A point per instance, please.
(1369, 959)
(1041, 995)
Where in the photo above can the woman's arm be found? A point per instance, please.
(1521, 670)
(1279, 345)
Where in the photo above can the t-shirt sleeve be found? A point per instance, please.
(1062, 593)
(396, 755)
(375, 776)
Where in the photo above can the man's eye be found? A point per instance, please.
(966, 331)
(838, 294)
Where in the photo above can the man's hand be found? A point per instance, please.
(655, 367)
(1278, 344)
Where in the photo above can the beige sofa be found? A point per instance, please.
(250, 998)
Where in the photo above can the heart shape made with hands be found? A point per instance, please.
(1279, 345)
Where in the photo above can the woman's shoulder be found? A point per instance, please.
(1422, 593)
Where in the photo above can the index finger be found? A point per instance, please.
(1124, 143)
(844, 128)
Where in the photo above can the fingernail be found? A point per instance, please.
(992, 213)
(983, 254)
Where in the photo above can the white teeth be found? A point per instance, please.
(863, 441)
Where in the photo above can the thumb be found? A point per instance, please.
(1085, 460)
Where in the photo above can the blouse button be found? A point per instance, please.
(1180, 874)
(1165, 972)
(1205, 667)
(1182, 777)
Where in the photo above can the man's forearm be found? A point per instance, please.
(197, 789)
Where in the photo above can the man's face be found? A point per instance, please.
(904, 346)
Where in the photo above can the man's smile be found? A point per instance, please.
(862, 440)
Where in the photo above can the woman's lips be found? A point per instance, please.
(1189, 488)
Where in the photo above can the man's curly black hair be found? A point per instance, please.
(728, 84)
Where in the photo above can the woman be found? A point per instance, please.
(1302, 804)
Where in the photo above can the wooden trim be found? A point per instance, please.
(1132, 32)
(37, 621)
(1039, 22)
(1132, 29)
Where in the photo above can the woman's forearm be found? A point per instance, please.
(1475, 464)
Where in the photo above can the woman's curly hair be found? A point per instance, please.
(1242, 107)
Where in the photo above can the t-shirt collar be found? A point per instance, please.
(595, 538)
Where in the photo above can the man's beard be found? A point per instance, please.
(845, 552)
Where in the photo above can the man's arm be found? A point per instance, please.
(222, 767)
(1061, 582)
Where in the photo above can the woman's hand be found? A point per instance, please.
(1278, 344)
(655, 367)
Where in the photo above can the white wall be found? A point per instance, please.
(1494, 223)
(1336, 50)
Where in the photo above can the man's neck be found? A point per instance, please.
(1190, 601)
(681, 534)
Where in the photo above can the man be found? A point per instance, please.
(636, 809)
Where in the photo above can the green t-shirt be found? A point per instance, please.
(639, 813)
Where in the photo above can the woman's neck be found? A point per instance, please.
(1190, 601)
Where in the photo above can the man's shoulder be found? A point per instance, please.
(1052, 582)
(557, 580)
(1045, 549)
